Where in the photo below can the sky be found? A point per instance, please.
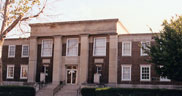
(136, 15)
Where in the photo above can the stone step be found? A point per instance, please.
(68, 90)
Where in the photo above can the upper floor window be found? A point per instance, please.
(126, 48)
(10, 72)
(164, 78)
(25, 51)
(46, 48)
(126, 72)
(99, 48)
(144, 48)
(72, 47)
(11, 51)
(24, 72)
(145, 72)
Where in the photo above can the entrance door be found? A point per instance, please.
(46, 71)
(71, 75)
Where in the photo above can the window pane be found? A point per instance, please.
(145, 73)
(144, 47)
(100, 47)
(25, 51)
(126, 49)
(11, 51)
(72, 47)
(47, 48)
(24, 71)
(10, 71)
(126, 72)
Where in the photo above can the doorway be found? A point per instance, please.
(71, 75)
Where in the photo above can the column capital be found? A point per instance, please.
(33, 37)
(57, 36)
(84, 35)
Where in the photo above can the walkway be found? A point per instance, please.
(68, 90)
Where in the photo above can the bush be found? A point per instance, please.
(129, 92)
(17, 91)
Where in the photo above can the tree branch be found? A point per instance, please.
(10, 27)
(5, 16)
(41, 11)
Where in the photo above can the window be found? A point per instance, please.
(25, 51)
(72, 47)
(11, 51)
(144, 47)
(99, 46)
(145, 72)
(10, 71)
(24, 72)
(46, 48)
(126, 72)
(99, 69)
(164, 78)
(126, 48)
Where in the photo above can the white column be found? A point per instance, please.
(32, 59)
(84, 53)
(113, 55)
(57, 59)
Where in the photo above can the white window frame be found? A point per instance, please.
(94, 46)
(141, 66)
(141, 49)
(97, 70)
(22, 73)
(23, 51)
(43, 55)
(164, 79)
(76, 54)
(122, 78)
(10, 50)
(7, 76)
(123, 48)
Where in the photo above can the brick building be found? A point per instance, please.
(78, 52)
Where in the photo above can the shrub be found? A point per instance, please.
(129, 92)
(17, 91)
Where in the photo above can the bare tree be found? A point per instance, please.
(12, 13)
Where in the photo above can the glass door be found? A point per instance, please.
(71, 75)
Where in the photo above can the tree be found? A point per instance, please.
(166, 53)
(13, 13)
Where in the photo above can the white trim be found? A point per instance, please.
(122, 78)
(23, 51)
(21, 72)
(67, 46)
(141, 50)
(9, 56)
(8, 71)
(50, 55)
(104, 48)
(141, 66)
(123, 48)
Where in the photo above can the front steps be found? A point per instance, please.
(68, 90)
(48, 90)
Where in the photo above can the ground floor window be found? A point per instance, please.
(126, 73)
(145, 72)
(10, 71)
(24, 71)
(164, 78)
